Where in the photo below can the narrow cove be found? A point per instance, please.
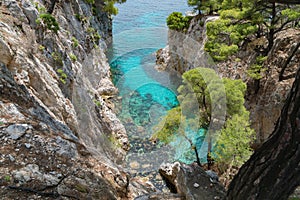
(139, 30)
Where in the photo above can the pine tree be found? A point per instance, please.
(243, 20)
(205, 98)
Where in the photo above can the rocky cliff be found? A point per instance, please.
(264, 98)
(59, 135)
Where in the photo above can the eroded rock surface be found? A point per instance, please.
(192, 182)
(60, 138)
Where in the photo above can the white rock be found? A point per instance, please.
(196, 185)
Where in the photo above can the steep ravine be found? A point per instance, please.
(60, 138)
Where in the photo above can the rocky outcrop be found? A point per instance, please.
(264, 98)
(192, 182)
(60, 138)
(185, 51)
(266, 105)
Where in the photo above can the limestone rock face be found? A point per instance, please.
(266, 105)
(59, 135)
(185, 51)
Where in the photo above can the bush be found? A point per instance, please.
(73, 57)
(176, 21)
(110, 7)
(57, 57)
(233, 141)
(94, 35)
(62, 76)
(256, 71)
(49, 21)
(75, 42)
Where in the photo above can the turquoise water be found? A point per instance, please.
(139, 30)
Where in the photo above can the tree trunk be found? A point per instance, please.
(271, 33)
(273, 171)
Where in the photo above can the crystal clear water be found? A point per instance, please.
(139, 30)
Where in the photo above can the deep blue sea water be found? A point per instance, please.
(139, 30)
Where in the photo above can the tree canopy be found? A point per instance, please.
(243, 21)
(205, 98)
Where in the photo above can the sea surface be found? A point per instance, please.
(139, 30)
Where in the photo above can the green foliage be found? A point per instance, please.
(168, 126)
(243, 20)
(109, 6)
(256, 71)
(224, 37)
(202, 89)
(73, 57)
(82, 18)
(291, 14)
(200, 86)
(94, 35)
(41, 9)
(57, 57)
(48, 21)
(261, 59)
(235, 92)
(1, 123)
(176, 21)
(233, 141)
(75, 42)
(7, 178)
(98, 103)
(62, 76)
(41, 48)
(294, 198)
(205, 6)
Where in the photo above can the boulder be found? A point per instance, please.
(192, 182)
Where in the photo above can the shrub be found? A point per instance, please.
(49, 21)
(256, 71)
(176, 21)
(7, 178)
(110, 7)
(94, 35)
(57, 57)
(233, 141)
(75, 42)
(41, 48)
(73, 57)
(62, 76)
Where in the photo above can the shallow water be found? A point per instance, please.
(139, 30)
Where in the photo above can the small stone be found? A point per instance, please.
(16, 131)
(11, 158)
(27, 145)
(134, 165)
(146, 166)
(196, 185)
